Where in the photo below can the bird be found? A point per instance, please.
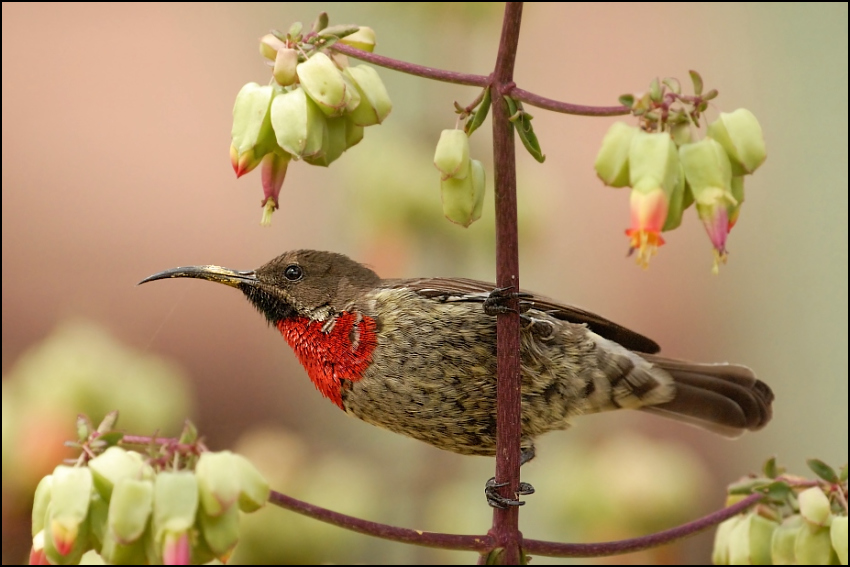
(418, 356)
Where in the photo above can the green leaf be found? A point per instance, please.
(295, 30)
(479, 115)
(279, 34)
(748, 485)
(655, 91)
(673, 84)
(189, 434)
(823, 470)
(84, 427)
(321, 22)
(843, 476)
(339, 31)
(697, 81)
(111, 438)
(526, 134)
(770, 469)
(711, 94)
(108, 423)
(627, 100)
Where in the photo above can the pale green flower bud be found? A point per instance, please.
(838, 536)
(40, 502)
(70, 495)
(740, 135)
(299, 125)
(221, 532)
(452, 154)
(783, 541)
(323, 82)
(270, 45)
(375, 104)
(363, 39)
(720, 552)
(129, 509)
(653, 161)
(814, 506)
(285, 63)
(218, 483)
(612, 161)
(459, 198)
(750, 540)
(175, 502)
(253, 487)
(114, 465)
(335, 141)
(115, 552)
(479, 183)
(252, 136)
(813, 546)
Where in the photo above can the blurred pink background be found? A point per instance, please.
(116, 127)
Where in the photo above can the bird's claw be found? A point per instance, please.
(496, 500)
(496, 302)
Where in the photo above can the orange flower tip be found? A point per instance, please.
(645, 243)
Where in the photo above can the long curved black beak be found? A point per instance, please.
(210, 273)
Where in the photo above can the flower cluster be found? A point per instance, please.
(668, 171)
(131, 509)
(800, 522)
(314, 109)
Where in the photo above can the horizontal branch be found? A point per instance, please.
(478, 81)
(551, 549)
(566, 107)
(481, 544)
(413, 69)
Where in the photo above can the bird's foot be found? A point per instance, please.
(496, 500)
(496, 302)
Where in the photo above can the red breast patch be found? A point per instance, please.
(341, 352)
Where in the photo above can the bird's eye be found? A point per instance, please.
(293, 273)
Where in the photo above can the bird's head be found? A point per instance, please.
(300, 283)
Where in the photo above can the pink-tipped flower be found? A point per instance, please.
(273, 174)
(37, 555)
(243, 163)
(648, 212)
(176, 548)
(713, 209)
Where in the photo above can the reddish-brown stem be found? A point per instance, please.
(481, 544)
(566, 107)
(508, 419)
(552, 549)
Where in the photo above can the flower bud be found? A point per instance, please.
(284, 67)
(375, 104)
(251, 136)
(176, 548)
(41, 500)
(680, 200)
(654, 161)
(116, 553)
(649, 208)
(114, 465)
(479, 184)
(814, 506)
(838, 536)
(218, 486)
(253, 487)
(299, 125)
(221, 532)
(452, 155)
(459, 198)
(334, 142)
(782, 541)
(813, 545)
(323, 82)
(740, 135)
(70, 494)
(129, 509)
(363, 39)
(37, 554)
(270, 45)
(720, 552)
(612, 161)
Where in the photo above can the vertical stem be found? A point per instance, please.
(509, 425)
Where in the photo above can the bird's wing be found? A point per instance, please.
(462, 289)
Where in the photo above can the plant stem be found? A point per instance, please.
(509, 424)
